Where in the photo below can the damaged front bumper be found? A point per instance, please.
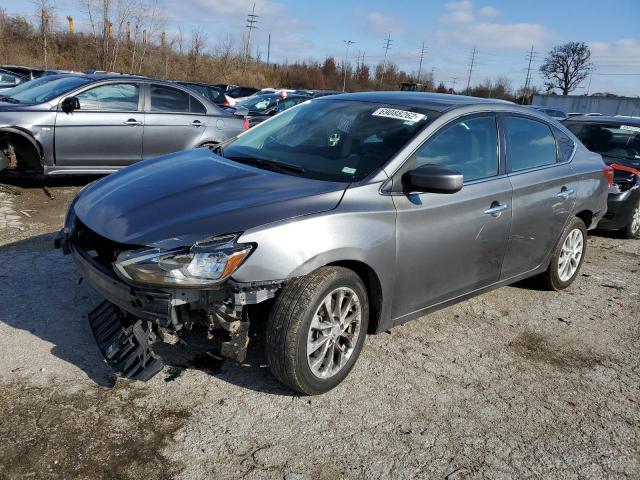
(163, 314)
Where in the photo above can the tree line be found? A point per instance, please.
(129, 36)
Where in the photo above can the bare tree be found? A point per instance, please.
(566, 66)
(45, 14)
(198, 41)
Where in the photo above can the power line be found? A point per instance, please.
(473, 59)
(527, 80)
(344, 65)
(387, 46)
(252, 19)
(422, 50)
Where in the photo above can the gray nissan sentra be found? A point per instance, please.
(343, 216)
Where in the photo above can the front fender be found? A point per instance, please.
(362, 228)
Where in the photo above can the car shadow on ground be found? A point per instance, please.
(20, 180)
(42, 294)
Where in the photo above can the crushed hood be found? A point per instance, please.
(185, 197)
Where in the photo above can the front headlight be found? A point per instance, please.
(204, 264)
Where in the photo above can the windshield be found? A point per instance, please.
(617, 140)
(44, 92)
(27, 85)
(336, 140)
(259, 103)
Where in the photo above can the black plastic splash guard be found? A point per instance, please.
(125, 342)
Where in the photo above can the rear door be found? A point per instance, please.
(544, 192)
(175, 120)
(449, 245)
(105, 131)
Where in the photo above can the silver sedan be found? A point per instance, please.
(86, 124)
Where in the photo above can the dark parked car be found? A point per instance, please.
(552, 112)
(235, 91)
(344, 216)
(210, 92)
(261, 107)
(31, 72)
(9, 79)
(84, 124)
(6, 95)
(617, 139)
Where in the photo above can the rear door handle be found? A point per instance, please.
(496, 209)
(196, 123)
(132, 122)
(565, 193)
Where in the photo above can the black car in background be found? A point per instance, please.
(10, 79)
(235, 91)
(261, 107)
(617, 139)
(208, 91)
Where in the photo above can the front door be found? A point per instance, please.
(175, 121)
(544, 192)
(449, 245)
(105, 131)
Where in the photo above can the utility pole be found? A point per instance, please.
(252, 19)
(269, 49)
(344, 65)
(422, 50)
(387, 46)
(453, 81)
(589, 84)
(527, 80)
(474, 52)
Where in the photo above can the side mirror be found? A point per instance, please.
(70, 104)
(432, 178)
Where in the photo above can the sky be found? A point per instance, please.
(502, 31)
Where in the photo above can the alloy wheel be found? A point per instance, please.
(334, 332)
(570, 255)
(635, 221)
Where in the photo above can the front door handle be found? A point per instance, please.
(196, 123)
(496, 209)
(565, 193)
(132, 122)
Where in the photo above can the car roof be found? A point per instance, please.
(432, 101)
(607, 119)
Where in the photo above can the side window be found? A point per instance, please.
(469, 146)
(565, 145)
(530, 143)
(115, 97)
(197, 107)
(167, 99)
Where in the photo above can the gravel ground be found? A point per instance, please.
(516, 383)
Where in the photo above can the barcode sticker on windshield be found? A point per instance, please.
(629, 127)
(405, 115)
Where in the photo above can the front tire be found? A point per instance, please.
(567, 257)
(632, 230)
(316, 329)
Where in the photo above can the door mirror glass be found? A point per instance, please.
(70, 104)
(432, 178)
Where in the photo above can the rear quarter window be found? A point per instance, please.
(565, 145)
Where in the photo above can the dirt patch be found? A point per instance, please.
(93, 433)
(538, 348)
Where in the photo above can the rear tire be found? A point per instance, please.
(316, 329)
(632, 230)
(567, 257)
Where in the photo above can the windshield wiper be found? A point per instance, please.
(8, 99)
(271, 164)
